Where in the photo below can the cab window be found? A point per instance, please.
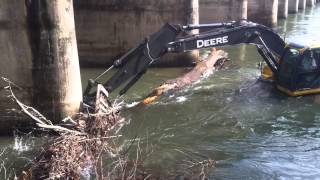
(308, 77)
(309, 61)
(289, 61)
(316, 56)
(291, 53)
(288, 68)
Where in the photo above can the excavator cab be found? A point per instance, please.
(299, 70)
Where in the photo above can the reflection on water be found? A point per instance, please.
(249, 128)
(302, 27)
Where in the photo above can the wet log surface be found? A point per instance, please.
(214, 61)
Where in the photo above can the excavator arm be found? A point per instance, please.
(134, 63)
(270, 45)
(167, 40)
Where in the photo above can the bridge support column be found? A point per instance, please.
(15, 63)
(302, 4)
(194, 19)
(56, 72)
(310, 3)
(282, 9)
(263, 11)
(293, 6)
(222, 10)
(108, 29)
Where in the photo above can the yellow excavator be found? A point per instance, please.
(300, 71)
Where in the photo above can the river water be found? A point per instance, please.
(250, 129)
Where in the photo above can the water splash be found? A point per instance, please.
(132, 104)
(21, 144)
(181, 99)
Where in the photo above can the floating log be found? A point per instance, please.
(215, 60)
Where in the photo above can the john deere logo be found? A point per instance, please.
(212, 42)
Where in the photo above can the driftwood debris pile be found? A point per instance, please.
(83, 142)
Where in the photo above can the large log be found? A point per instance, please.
(213, 61)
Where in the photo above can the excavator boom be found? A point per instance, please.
(270, 45)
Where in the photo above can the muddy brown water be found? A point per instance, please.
(249, 128)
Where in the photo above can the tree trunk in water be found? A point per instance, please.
(202, 67)
(56, 72)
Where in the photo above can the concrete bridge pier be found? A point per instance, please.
(263, 11)
(108, 29)
(15, 62)
(194, 19)
(39, 54)
(302, 4)
(310, 3)
(211, 11)
(283, 9)
(56, 73)
(293, 6)
(187, 58)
